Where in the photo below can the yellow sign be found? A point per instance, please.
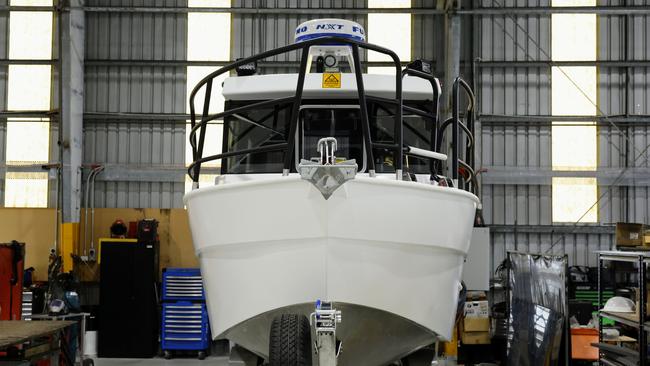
(332, 80)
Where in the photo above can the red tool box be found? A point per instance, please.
(12, 262)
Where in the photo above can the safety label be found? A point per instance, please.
(331, 80)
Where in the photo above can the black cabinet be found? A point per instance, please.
(128, 311)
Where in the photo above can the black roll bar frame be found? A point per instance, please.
(398, 148)
(200, 126)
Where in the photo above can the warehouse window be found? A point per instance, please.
(31, 35)
(25, 189)
(31, 3)
(576, 195)
(574, 92)
(208, 34)
(208, 39)
(28, 141)
(28, 89)
(396, 37)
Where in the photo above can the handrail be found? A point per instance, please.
(435, 86)
(468, 133)
(268, 148)
(471, 107)
(456, 123)
(197, 149)
(432, 155)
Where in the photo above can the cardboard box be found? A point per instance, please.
(477, 295)
(475, 338)
(628, 234)
(476, 309)
(646, 239)
(468, 337)
(476, 324)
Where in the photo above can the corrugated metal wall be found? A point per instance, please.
(510, 90)
(129, 146)
(626, 91)
(513, 151)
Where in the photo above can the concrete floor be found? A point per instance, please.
(210, 361)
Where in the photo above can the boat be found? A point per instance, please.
(338, 225)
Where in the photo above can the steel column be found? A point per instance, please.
(71, 54)
(452, 68)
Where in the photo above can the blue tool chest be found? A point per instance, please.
(185, 325)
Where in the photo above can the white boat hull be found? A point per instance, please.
(391, 247)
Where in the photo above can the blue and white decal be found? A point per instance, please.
(330, 27)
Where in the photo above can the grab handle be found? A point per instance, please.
(410, 150)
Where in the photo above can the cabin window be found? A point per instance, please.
(344, 124)
(255, 128)
(269, 126)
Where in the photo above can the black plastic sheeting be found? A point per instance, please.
(538, 309)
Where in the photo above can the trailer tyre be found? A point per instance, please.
(290, 341)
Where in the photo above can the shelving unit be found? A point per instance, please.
(640, 322)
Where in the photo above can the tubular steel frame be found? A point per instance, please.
(199, 126)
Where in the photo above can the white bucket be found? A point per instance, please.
(90, 343)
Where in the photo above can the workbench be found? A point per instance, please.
(27, 340)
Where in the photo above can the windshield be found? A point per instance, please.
(342, 123)
(317, 120)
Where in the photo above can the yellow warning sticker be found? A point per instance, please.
(332, 80)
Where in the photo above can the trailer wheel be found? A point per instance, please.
(290, 341)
